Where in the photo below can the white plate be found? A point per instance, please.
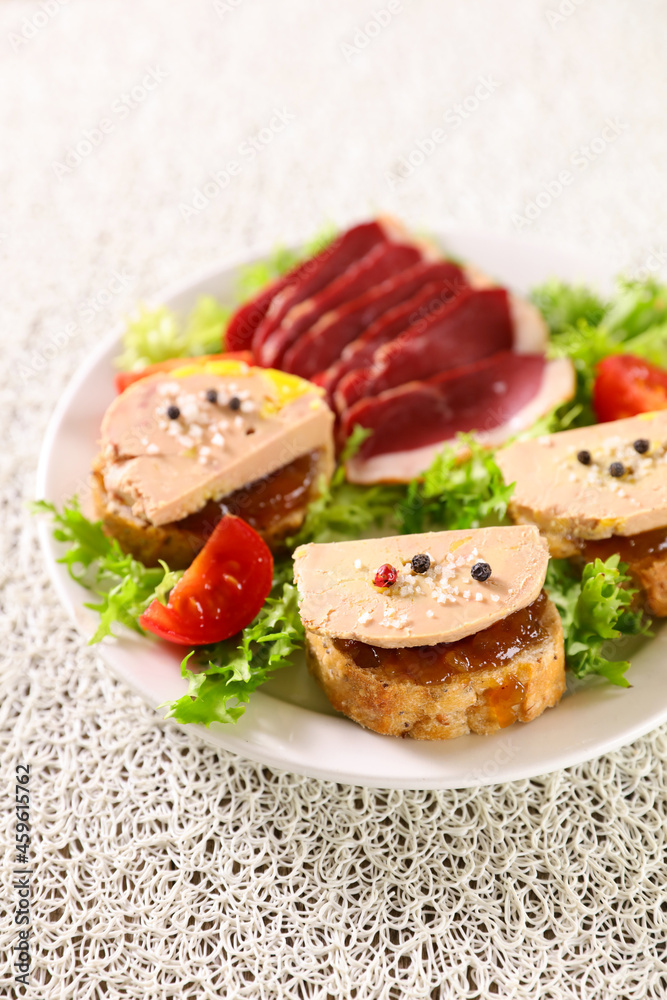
(289, 724)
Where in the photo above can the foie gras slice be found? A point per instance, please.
(173, 441)
(592, 482)
(339, 599)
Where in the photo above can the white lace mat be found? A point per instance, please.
(164, 868)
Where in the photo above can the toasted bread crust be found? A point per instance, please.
(481, 701)
(651, 578)
(175, 544)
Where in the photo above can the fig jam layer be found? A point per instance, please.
(634, 550)
(264, 503)
(492, 647)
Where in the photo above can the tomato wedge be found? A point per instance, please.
(220, 593)
(626, 385)
(123, 379)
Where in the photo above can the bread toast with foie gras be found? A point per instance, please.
(435, 635)
(596, 491)
(180, 449)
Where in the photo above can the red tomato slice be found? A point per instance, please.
(627, 385)
(123, 379)
(220, 593)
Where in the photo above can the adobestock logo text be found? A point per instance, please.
(581, 159)
(453, 118)
(366, 32)
(247, 150)
(121, 109)
(32, 24)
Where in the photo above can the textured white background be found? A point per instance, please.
(167, 869)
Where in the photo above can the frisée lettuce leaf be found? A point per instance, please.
(585, 328)
(125, 586)
(595, 606)
(456, 493)
(219, 690)
(344, 511)
(154, 335)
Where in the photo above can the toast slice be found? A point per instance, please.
(275, 506)
(394, 702)
(596, 491)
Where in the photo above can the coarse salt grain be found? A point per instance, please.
(398, 623)
(152, 449)
(429, 613)
(169, 388)
(365, 618)
(479, 597)
(495, 598)
(217, 440)
(357, 563)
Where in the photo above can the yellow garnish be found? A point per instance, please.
(455, 545)
(212, 368)
(284, 387)
(288, 388)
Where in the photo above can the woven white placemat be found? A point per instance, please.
(164, 868)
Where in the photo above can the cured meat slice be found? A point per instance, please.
(318, 271)
(497, 396)
(241, 327)
(472, 326)
(380, 263)
(531, 333)
(322, 344)
(430, 299)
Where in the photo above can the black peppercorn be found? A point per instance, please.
(641, 446)
(420, 563)
(235, 403)
(212, 395)
(173, 412)
(584, 457)
(481, 571)
(616, 469)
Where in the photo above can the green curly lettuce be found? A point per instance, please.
(456, 493)
(595, 606)
(343, 511)
(223, 676)
(124, 586)
(154, 335)
(586, 329)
